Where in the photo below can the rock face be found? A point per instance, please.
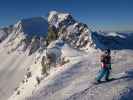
(75, 33)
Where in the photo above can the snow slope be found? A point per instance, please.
(12, 71)
(73, 81)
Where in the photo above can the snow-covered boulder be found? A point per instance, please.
(53, 51)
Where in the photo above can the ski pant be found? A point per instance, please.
(104, 72)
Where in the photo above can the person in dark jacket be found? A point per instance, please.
(105, 66)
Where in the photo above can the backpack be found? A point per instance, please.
(106, 59)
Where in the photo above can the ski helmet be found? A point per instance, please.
(107, 51)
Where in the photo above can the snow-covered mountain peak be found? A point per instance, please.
(74, 32)
(59, 15)
(33, 26)
(58, 19)
(27, 34)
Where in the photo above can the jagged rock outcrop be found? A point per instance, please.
(75, 33)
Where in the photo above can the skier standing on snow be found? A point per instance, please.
(105, 66)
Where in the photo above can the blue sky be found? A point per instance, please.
(108, 15)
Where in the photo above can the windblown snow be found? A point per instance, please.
(74, 61)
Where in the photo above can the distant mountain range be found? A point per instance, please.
(32, 33)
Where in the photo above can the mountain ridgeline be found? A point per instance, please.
(36, 33)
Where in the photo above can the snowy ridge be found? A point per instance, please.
(55, 18)
(27, 35)
(70, 68)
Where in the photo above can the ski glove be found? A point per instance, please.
(109, 66)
